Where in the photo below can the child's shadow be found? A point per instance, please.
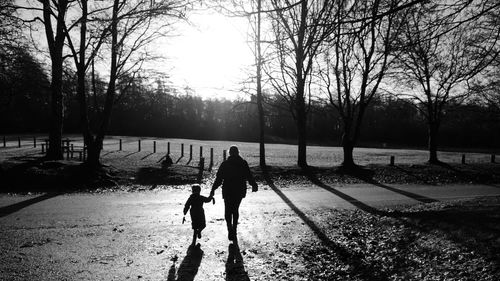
(189, 265)
(235, 268)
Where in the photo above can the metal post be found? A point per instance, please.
(34, 142)
(18, 141)
(168, 148)
(224, 155)
(463, 158)
(182, 150)
(392, 161)
(154, 146)
(120, 148)
(139, 145)
(492, 158)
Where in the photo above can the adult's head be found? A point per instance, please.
(233, 151)
(196, 189)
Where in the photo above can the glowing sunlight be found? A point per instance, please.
(210, 55)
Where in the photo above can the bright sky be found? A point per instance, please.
(210, 55)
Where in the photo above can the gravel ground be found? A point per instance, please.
(97, 227)
(284, 234)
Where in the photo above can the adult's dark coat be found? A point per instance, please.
(233, 175)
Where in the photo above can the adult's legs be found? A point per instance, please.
(231, 214)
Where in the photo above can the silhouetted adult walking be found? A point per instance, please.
(233, 175)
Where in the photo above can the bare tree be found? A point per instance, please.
(132, 25)
(55, 10)
(299, 29)
(356, 60)
(440, 49)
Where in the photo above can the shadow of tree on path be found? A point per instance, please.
(367, 176)
(474, 227)
(359, 266)
(7, 210)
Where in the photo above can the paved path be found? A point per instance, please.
(119, 236)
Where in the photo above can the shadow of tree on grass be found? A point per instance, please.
(360, 268)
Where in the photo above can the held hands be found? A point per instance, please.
(211, 197)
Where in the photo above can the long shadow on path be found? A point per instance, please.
(467, 226)
(356, 260)
(189, 266)
(235, 268)
(7, 210)
(366, 176)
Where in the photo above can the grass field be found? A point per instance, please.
(276, 154)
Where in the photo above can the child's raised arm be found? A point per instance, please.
(208, 199)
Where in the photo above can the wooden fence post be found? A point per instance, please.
(190, 151)
(18, 141)
(463, 158)
(168, 148)
(201, 151)
(211, 159)
(120, 146)
(392, 161)
(154, 146)
(202, 167)
(34, 142)
(139, 145)
(492, 158)
(182, 150)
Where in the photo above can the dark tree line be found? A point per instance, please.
(146, 108)
(321, 70)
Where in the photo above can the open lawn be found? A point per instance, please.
(276, 154)
(129, 167)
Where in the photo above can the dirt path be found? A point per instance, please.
(139, 236)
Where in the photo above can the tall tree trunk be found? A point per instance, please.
(89, 139)
(95, 147)
(433, 141)
(260, 108)
(54, 152)
(302, 135)
(55, 43)
(348, 147)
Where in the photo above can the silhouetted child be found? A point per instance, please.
(195, 205)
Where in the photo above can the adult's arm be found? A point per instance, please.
(250, 177)
(218, 179)
(187, 205)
